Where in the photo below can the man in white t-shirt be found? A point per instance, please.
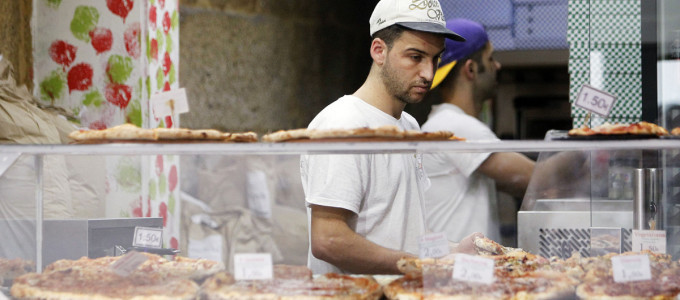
(365, 210)
(463, 185)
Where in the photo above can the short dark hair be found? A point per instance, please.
(389, 34)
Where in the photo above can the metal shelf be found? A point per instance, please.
(337, 147)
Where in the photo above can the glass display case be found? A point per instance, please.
(231, 193)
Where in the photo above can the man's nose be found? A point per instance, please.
(428, 71)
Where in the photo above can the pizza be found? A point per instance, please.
(120, 132)
(522, 275)
(132, 133)
(12, 268)
(675, 131)
(291, 282)
(88, 278)
(240, 137)
(187, 134)
(381, 133)
(639, 128)
(101, 283)
(178, 267)
(437, 282)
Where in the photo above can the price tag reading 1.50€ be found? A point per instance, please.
(148, 237)
(595, 101)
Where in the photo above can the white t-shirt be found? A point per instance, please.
(460, 201)
(383, 190)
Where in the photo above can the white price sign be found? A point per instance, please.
(148, 237)
(433, 245)
(652, 240)
(169, 103)
(631, 268)
(473, 268)
(595, 101)
(253, 266)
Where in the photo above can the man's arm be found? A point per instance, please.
(333, 241)
(511, 171)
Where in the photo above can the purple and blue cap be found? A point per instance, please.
(475, 39)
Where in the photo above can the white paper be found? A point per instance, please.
(473, 268)
(253, 266)
(595, 101)
(652, 240)
(208, 248)
(433, 245)
(148, 237)
(170, 103)
(128, 263)
(257, 193)
(631, 268)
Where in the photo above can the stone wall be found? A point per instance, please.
(265, 65)
(15, 38)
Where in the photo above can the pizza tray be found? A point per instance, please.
(364, 140)
(605, 137)
(671, 137)
(140, 141)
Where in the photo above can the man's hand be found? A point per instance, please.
(466, 246)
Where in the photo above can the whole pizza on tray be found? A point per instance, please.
(132, 133)
(639, 128)
(86, 278)
(368, 134)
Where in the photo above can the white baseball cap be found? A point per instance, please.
(420, 15)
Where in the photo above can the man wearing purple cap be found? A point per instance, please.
(464, 185)
(366, 211)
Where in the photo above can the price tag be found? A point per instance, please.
(473, 269)
(169, 103)
(128, 263)
(631, 268)
(148, 237)
(652, 240)
(433, 245)
(209, 247)
(253, 266)
(595, 101)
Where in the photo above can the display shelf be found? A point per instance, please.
(337, 147)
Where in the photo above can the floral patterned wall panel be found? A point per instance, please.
(162, 53)
(101, 61)
(88, 59)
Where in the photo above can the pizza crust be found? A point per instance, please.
(132, 133)
(382, 133)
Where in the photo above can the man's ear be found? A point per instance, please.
(470, 69)
(378, 51)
